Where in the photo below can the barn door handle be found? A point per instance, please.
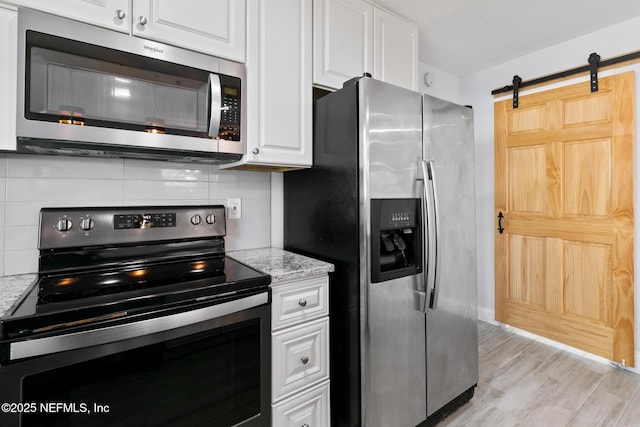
(500, 227)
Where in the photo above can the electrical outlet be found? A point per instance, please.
(234, 208)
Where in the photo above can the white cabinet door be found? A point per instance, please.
(395, 50)
(299, 301)
(310, 409)
(215, 27)
(278, 85)
(8, 78)
(300, 357)
(342, 41)
(113, 14)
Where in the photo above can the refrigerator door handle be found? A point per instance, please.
(430, 206)
(421, 291)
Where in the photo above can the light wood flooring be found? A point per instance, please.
(525, 382)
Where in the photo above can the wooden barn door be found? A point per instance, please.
(564, 186)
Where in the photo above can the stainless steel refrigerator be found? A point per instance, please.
(390, 200)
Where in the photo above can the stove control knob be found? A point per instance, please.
(87, 224)
(211, 219)
(196, 219)
(64, 225)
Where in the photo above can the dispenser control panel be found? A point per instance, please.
(398, 213)
(396, 238)
(400, 217)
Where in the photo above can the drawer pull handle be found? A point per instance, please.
(304, 360)
(305, 425)
(302, 303)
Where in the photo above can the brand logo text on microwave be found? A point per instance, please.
(153, 49)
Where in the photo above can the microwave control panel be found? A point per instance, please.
(231, 112)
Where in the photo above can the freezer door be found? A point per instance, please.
(390, 120)
(395, 378)
(392, 328)
(452, 336)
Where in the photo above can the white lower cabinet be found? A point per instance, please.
(307, 409)
(300, 357)
(300, 352)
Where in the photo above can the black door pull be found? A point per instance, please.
(500, 227)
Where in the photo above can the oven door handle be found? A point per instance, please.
(76, 340)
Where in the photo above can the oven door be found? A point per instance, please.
(205, 367)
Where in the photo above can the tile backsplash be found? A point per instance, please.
(30, 182)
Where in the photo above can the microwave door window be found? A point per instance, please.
(72, 88)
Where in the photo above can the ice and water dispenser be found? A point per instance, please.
(396, 238)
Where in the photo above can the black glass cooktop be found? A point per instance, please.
(73, 287)
(70, 300)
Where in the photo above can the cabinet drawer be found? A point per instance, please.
(310, 408)
(299, 301)
(300, 357)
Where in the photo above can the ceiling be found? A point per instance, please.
(464, 36)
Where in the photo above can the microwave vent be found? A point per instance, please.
(87, 150)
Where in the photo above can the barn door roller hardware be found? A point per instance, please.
(516, 87)
(594, 61)
(592, 69)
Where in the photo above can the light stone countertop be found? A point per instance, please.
(280, 264)
(11, 287)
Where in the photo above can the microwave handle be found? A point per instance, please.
(215, 105)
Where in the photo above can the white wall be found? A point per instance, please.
(444, 85)
(476, 90)
(30, 182)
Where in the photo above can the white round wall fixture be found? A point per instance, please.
(428, 79)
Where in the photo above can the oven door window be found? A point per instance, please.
(205, 379)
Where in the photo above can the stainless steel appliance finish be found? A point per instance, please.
(452, 349)
(140, 309)
(392, 358)
(395, 212)
(85, 90)
(63, 227)
(110, 334)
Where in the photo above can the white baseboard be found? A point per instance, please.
(487, 314)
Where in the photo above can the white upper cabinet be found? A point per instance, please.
(342, 42)
(278, 86)
(395, 55)
(112, 14)
(215, 27)
(352, 37)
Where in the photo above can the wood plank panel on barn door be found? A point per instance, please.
(564, 183)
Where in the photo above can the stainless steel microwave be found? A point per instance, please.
(86, 90)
